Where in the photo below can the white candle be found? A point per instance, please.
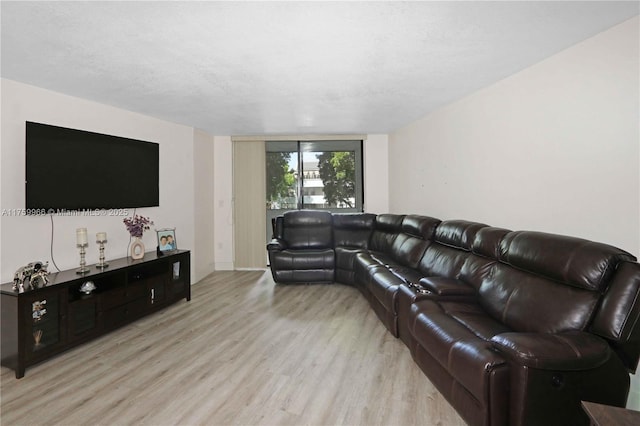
(101, 236)
(81, 236)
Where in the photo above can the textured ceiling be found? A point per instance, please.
(245, 68)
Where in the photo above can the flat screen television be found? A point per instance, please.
(69, 169)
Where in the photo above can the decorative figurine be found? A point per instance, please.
(87, 287)
(38, 310)
(37, 337)
(31, 276)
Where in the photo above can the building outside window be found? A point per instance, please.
(319, 175)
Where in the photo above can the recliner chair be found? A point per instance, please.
(302, 249)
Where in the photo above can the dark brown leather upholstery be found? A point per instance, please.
(351, 234)
(305, 251)
(380, 275)
(513, 328)
(386, 229)
(620, 308)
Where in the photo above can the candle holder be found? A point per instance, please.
(101, 263)
(83, 264)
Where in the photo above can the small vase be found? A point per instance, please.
(137, 249)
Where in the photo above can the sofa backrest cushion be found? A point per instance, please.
(485, 251)
(527, 302)
(353, 229)
(568, 260)
(451, 248)
(548, 283)
(415, 235)
(307, 229)
(386, 229)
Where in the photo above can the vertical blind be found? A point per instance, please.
(249, 194)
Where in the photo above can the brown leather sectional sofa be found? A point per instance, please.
(513, 327)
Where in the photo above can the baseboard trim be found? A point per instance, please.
(633, 401)
(251, 269)
(224, 266)
(203, 272)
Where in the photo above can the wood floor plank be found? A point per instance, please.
(243, 351)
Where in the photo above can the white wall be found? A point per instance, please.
(25, 239)
(203, 255)
(376, 190)
(376, 174)
(553, 148)
(223, 200)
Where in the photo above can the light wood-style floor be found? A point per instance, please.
(244, 351)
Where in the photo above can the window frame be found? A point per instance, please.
(301, 146)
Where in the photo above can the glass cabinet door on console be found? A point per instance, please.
(179, 283)
(43, 316)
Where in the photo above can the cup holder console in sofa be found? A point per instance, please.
(512, 327)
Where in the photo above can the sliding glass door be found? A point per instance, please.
(319, 175)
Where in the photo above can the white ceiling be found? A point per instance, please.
(239, 68)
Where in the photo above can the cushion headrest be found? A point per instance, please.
(420, 226)
(487, 241)
(354, 221)
(306, 218)
(574, 261)
(389, 222)
(458, 233)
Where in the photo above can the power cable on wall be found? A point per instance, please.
(51, 248)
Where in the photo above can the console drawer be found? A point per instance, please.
(123, 295)
(124, 313)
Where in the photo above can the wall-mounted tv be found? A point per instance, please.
(69, 169)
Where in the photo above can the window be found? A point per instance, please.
(319, 175)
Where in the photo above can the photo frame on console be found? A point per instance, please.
(167, 239)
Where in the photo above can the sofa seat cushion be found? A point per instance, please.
(368, 260)
(346, 257)
(381, 258)
(303, 259)
(457, 335)
(303, 266)
(346, 264)
(407, 275)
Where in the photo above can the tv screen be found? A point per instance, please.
(69, 169)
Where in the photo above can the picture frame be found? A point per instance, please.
(167, 240)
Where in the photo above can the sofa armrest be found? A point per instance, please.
(442, 286)
(569, 351)
(276, 244)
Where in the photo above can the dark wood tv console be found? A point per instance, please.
(40, 323)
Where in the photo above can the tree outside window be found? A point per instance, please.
(338, 173)
(281, 181)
